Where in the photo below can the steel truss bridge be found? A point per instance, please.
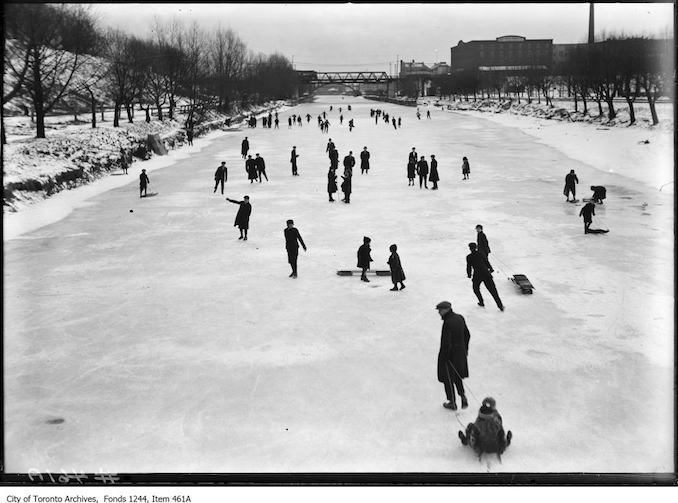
(315, 80)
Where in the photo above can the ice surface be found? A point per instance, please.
(167, 345)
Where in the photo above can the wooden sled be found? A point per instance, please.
(358, 272)
(522, 282)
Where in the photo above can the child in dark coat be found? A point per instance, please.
(364, 258)
(397, 273)
(486, 434)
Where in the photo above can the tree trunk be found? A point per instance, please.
(600, 106)
(611, 113)
(576, 103)
(632, 112)
(130, 115)
(653, 109)
(102, 113)
(2, 131)
(584, 104)
(148, 113)
(38, 102)
(93, 105)
(116, 115)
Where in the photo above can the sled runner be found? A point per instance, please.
(573, 201)
(522, 282)
(358, 272)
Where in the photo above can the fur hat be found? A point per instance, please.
(489, 405)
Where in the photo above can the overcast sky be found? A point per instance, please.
(342, 37)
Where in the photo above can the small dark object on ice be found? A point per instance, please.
(355, 272)
(131, 211)
(645, 142)
(523, 283)
(486, 434)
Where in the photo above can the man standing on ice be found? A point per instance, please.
(433, 177)
(483, 245)
(452, 357)
(422, 171)
(143, 183)
(220, 176)
(292, 241)
(364, 258)
(293, 160)
(261, 168)
(242, 218)
(413, 157)
(364, 161)
(477, 262)
(330, 146)
(251, 169)
(244, 147)
(570, 185)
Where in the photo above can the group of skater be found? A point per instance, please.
(378, 113)
(589, 209)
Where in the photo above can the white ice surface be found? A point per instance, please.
(167, 345)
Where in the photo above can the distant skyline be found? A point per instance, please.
(342, 37)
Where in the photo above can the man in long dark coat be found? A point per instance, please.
(483, 245)
(143, 183)
(397, 273)
(260, 168)
(452, 357)
(251, 168)
(570, 185)
(433, 175)
(293, 160)
(242, 218)
(364, 161)
(364, 258)
(244, 147)
(292, 241)
(477, 262)
(422, 171)
(220, 176)
(334, 158)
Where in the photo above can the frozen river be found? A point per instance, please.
(155, 341)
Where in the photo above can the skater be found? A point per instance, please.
(189, 136)
(411, 167)
(364, 258)
(124, 163)
(346, 185)
(570, 186)
(334, 158)
(397, 273)
(308, 118)
(599, 193)
(452, 357)
(242, 218)
(433, 176)
(260, 168)
(289, 123)
(364, 161)
(341, 120)
(292, 241)
(587, 212)
(483, 245)
(251, 168)
(465, 168)
(350, 125)
(293, 160)
(244, 147)
(482, 273)
(393, 121)
(413, 156)
(276, 122)
(331, 183)
(428, 114)
(349, 162)
(220, 176)
(422, 171)
(399, 122)
(143, 183)
(418, 115)
(486, 434)
(330, 146)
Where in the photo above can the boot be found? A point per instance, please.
(463, 439)
(464, 402)
(450, 405)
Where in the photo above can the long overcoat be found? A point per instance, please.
(364, 160)
(433, 176)
(242, 218)
(364, 257)
(397, 273)
(422, 168)
(331, 181)
(454, 342)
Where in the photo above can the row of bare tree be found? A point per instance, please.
(57, 58)
(619, 67)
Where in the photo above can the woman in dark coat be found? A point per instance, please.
(364, 258)
(331, 183)
(397, 273)
(465, 168)
(242, 218)
(433, 175)
(410, 172)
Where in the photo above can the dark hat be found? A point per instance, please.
(444, 305)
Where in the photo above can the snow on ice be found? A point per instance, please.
(167, 345)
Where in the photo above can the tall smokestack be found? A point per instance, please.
(591, 31)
